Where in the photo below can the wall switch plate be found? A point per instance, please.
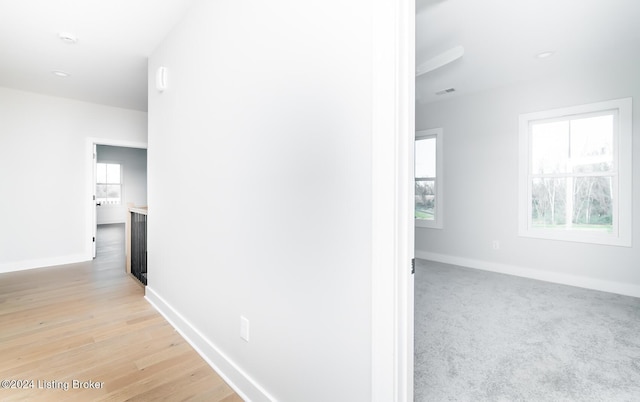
(496, 244)
(244, 328)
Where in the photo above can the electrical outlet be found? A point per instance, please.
(244, 328)
(496, 244)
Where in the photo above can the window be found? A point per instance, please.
(575, 173)
(108, 183)
(428, 178)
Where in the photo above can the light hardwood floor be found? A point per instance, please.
(90, 322)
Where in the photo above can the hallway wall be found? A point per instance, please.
(264, 134)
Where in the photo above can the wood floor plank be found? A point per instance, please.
(86, 324)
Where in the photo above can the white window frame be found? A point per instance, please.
(121, 184)
(437, 222)
(622, 172)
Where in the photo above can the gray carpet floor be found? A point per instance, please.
(482, 336)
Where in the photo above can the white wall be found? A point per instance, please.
(43, 146)
(259, 192)
(133, 162)
(481, 183)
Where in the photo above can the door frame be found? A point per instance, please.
(90, 212)
(393, 226)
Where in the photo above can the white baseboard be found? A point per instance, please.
(234, 376)
(625, 289)
(42, 262)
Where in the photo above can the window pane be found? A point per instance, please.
(101, 173)
(425, 158)
(113, 194)
(549, 147)
(548, 202)
(113, 173)
(592, 144)
(425, 199)
(592, 206)
(101, 192)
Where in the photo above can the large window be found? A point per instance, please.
(428, 178)
(575, 173)
(108, 183)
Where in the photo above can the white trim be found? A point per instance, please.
(247, 388)
(622, 187)
(586, 282)
(437, 222)
(625, 172)
(42, 263)
(112, 221)
(89, 180)
(393, 104)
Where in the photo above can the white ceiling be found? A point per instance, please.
(502, 37)
(108, 64)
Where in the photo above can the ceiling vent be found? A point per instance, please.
(445, 91)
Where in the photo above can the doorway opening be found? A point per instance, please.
(116, 182)
(121, 182)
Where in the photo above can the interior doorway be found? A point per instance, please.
(116, 179)
(121, 182)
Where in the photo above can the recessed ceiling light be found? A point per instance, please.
(67, 37)
(545, 55)
(60, 74)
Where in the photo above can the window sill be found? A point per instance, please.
(578, 237)
(420, 223)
